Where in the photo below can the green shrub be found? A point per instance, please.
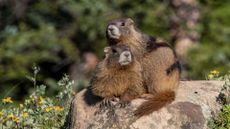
(38, 111)
(222, 119)
(43, 47)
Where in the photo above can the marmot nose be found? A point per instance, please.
(111, 27)
(126, 54)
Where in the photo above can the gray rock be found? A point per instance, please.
(194, 106)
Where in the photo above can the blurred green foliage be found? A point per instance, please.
(213, 51)
(43, 47)
(54, 34)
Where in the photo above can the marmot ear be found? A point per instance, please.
(107, 50)
(130, 21)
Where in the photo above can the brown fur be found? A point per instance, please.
(160, 66)
(113, 80)
(158, 100)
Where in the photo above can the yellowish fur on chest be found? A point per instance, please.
(118, 82)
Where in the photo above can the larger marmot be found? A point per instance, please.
(161, 69)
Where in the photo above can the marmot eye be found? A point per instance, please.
(126, 49)
(114, 51)
(123, 24)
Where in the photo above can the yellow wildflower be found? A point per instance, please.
(40, 100)
(25, 114)
(10, 116)
(1, 114)
(215, 72)
(210, 76)
(48, 109)
(7, 100)
(58, 108)
(15, 119)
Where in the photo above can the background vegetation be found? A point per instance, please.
(221, 120)
(38, 111)
(213, 50)
(55, 35)
(58, 35)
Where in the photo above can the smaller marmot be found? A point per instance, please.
(118, 75)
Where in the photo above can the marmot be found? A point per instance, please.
(161, 69)
(119, 75)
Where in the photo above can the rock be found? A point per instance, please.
(195, 104)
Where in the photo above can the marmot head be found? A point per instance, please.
(119, 55)
(119, 29)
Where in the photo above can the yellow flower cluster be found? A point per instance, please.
(10, 116)
(40, 100)
(48, 109)
(13, 118)
(58, 108)
(25, 114)
(210, 76)
(55, 108)
(213, 73)
(1, 114)
(7, 100)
